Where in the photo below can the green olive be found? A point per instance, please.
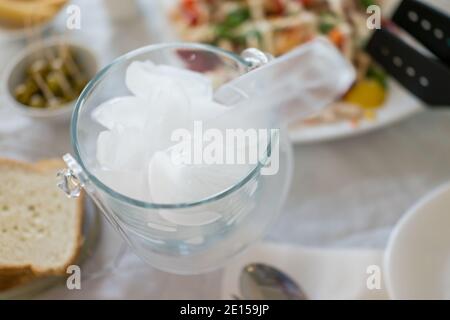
(37, 101)
(52, 81)
(61, 79)
(39, 66)
(22, 93)
(31, 85)
(57, 64)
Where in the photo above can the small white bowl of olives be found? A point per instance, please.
(45, 80)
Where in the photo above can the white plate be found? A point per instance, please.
(417, 260)
(399, 105)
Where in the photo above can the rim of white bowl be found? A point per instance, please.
(404, 220)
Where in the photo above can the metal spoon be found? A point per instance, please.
(262, 282)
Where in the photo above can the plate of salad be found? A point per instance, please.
(277, 26)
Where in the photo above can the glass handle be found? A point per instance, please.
(69, 183)
(73, 179)
(255, 58)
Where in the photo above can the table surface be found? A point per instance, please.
(346, 193)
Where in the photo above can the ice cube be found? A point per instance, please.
(170, 111)
(143, 78)
(166, 185)
(204, 109)
(186, 181)
(194, 83)
(128, 111)
(177, 183)
(123, 149)
(162, 178)
(131, 184)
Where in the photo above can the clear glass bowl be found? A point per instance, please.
(246, 208)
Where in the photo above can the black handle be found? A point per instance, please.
(425, 77)
(427, 24)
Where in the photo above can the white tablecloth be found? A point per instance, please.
(347, 193)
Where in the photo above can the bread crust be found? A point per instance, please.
(8, 282)
(11, 275)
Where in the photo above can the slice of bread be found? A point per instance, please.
(8, 282)
(40, 228)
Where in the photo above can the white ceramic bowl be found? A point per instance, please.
(15, 73)
(417, 261)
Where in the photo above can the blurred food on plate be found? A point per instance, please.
(16, 14)
(277, 26)
(52, 79)
(40, 228)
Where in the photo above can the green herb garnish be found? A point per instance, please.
(327, 22)
(378, 74)
(234, 19)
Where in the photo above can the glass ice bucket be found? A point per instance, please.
(186, 244)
